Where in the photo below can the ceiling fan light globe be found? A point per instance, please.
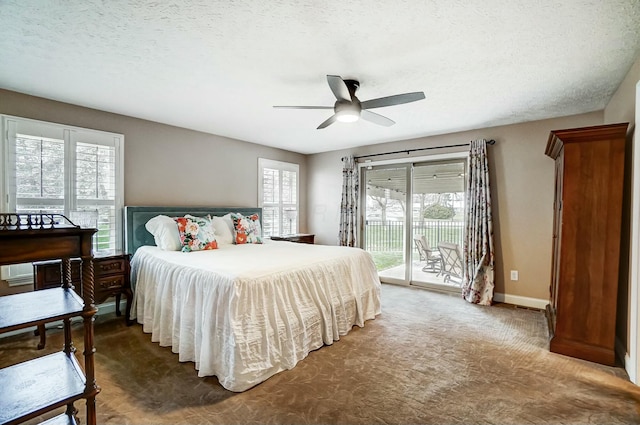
(348, 116)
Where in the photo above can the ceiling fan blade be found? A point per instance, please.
(338, 87)
(392, 100)
(304, 107)
(376, 118)
(328, 122)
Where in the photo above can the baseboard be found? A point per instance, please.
(104, 308)
(631, 369)
(521, 301)
(623, 355)
(621, 351)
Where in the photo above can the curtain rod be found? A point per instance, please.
(408, 151)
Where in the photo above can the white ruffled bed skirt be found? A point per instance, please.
(246, 312)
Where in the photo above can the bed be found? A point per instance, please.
(246, 312)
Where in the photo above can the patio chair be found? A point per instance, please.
(432, 258)
(451, 261)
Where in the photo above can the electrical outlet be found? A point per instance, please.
(514, 274)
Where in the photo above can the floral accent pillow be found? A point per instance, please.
(196, 233)
(247, 229)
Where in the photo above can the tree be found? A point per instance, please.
(439, 212)
(382, 203)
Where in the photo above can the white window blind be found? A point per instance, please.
(60, 169)
(278, 196)
(95, 183)
(38, 179)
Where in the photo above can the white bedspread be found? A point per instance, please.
(246, 312)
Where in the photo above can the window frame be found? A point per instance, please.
(280, 166)
(71, 136)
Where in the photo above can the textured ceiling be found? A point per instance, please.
(219, 66)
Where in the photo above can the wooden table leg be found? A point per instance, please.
(42, 331)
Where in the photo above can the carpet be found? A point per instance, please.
(429, 358)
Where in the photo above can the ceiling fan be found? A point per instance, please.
(348, 107)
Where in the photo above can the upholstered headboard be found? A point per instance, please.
(136, 235)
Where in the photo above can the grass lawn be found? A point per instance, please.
(386, 260)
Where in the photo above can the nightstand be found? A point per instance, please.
(111, 278)
(296, 237)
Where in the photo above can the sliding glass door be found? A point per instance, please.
(438, 223)
(423, 245)
(385, 218)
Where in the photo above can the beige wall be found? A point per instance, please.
(159, 170)
(522, 195)
(166, 165)
(622, 108)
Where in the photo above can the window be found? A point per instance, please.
(52, 168)
(278, 196)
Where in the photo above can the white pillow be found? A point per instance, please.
(224, 228)
(165, 232)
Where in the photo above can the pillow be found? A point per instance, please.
(196, 233)
(165, 232)
(223, 227)
(247, 229)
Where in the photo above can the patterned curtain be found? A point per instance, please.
(478, 280)
(349, 205)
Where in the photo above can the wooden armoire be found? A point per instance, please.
(586, 240)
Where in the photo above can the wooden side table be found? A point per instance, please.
(47, 383)
(111, 277)
(296, 237)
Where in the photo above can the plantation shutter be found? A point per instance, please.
(289, 204)
(278, 196)
(35, 175)
(58, 169)
(95, 186)
(270, 201)
(38, 174)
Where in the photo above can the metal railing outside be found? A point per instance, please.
(389, 236)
